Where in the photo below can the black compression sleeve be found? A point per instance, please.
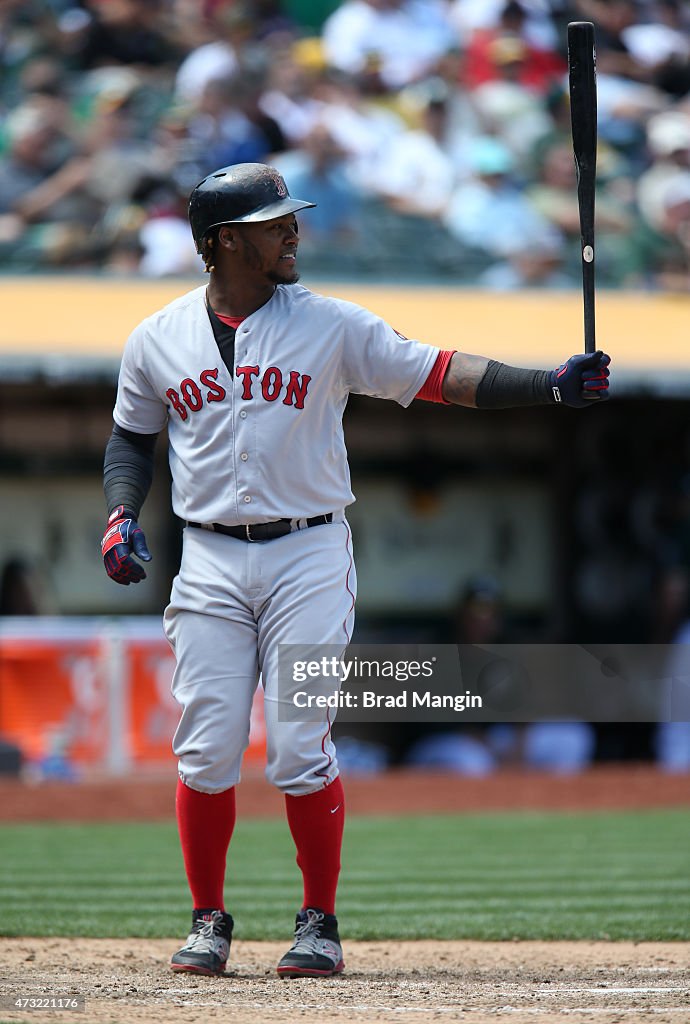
(507, 387)
(128, 469)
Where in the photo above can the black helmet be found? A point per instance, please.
(239, 193)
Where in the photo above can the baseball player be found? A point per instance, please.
(251, 376)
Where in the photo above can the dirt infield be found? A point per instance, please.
(399, 792)
(130, 983)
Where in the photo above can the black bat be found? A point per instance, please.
(583, 116)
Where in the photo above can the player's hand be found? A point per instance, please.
(582, 380)
(122, 536)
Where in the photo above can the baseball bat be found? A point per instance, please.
(583, 116)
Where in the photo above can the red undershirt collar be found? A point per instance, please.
(230, 321)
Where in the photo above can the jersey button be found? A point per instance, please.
(247, 498)
(244, 456)
(243, 414)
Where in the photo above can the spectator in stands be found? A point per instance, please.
(461, 123)
(509, 109)
(363, 128)
(627, 94)
(291, 89)
(231, 31)
(228, 127)
(674, 274)
(35, 150)
(405, 36)
(661, 45)
(119, 160)
(535, 67)
(415, 175)
(538, 264)
(44, 209)
(644, 42)
(554, 197)
(559, 131)
(533, 22)
(659, 257)
(165, 246)
(489, 212)
(319, 169)
(127, 32)
(668, 143)
(658, 253)
(611, 19)
(174, 82)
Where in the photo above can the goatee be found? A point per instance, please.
(278, 278)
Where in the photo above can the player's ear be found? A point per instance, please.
(227, 237)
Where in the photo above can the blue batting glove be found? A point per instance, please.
(582, 380)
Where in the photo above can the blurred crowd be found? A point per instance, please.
(433, 134)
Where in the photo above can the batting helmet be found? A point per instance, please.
(239, 194)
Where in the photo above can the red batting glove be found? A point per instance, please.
(122, 536)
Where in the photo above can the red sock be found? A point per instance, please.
(205, 822)
(316, 822)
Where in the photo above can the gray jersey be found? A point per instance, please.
(267, 442)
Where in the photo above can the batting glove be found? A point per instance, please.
(583, 379)
(122, 536)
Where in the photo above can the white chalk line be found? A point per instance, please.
(438, 1010)
(601, 990)
(614, 1009)
(468, 1007)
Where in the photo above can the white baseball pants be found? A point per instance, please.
(231, 604)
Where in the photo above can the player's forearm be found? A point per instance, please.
(128, 469)
(481, 383)
(462, 378)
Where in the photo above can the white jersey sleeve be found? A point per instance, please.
(139, 406)
(379, 362)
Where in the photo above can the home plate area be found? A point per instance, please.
(129, 981)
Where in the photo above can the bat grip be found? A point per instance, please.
(588, 298)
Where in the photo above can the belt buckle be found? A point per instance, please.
(249, 535)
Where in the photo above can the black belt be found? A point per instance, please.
(262, 531)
